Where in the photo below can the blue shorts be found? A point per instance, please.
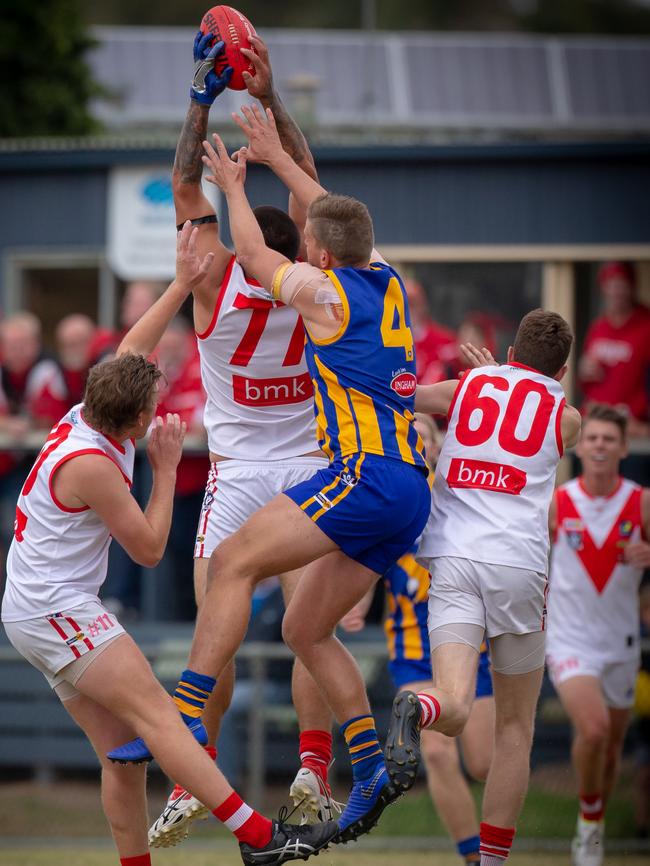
(372, 507)
(403, 671)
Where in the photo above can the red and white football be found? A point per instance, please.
(233, 28)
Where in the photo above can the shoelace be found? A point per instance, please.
(284, 814)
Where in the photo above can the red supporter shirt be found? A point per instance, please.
(185, 396)
(624, 355)
(434, 348)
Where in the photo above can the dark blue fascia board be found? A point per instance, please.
(93, 158)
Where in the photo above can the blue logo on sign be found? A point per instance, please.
(158, 191)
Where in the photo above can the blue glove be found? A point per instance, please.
(206, 84)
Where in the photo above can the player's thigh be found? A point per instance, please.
(121, 680)
(477, 738)
(102, 727)
(515, 698)
(582, 698)
(289, 582)
(328, 588)
(200, 579)
(276, 539)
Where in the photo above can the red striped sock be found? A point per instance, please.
(316, 752)
(591, 807)
(212, 751)
(140, 860)
(496, 843)
(430, 709)
(247, 824)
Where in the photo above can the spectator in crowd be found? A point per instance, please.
(475, 329)
(183, 394)
(434, 344)
(74, 338)
(615, 363)
(138, 297)
(32, 395)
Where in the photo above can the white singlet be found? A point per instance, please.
(259, 392)
(496, 470)
(593, 602)
(58, 557)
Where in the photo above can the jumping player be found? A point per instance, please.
(599, 522)
(259, 416)
(350, 522)
(487, 547)
(407, 590)
(75, 498)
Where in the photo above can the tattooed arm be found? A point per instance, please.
(293, 141)
(191, 203)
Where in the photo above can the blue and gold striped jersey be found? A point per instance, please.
(407, 590)
(364, 375)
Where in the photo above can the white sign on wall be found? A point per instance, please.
(142, 223)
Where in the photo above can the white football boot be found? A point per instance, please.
(173, 824)
(587, 847)
(312, 797)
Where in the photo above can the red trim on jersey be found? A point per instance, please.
(117, 445)
(558, 427)
(609, 495)
(76, 626)
(65, 459)
(55, 625)
(454, 399)
(600, 562)
(219, 301)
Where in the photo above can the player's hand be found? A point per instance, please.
(637, 554)
(190, 267)
(259, 127)
(227, 173)
(206, 84)
(166, 443)
(260, 85)
(477, 357)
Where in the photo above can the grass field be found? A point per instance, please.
(205, 857)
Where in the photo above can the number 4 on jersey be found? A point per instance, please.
(394, 331)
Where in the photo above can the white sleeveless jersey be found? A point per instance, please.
(58, 556)
(593, 599)
(259, 393)
(496, 470)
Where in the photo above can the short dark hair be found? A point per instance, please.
(543, 342)
(118, 391)
(603, 412)
(279, 230)
(342, 225)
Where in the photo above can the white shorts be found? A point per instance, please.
(51, 643)
(617, 677)
(500, 598)
(236, 489)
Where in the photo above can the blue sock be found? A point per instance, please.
(363, 744)
(192, 693)
(469, 846)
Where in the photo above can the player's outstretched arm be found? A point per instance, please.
(261, 87)
(229, 175)
(264, 146)
(191, 270)
(97, 482)
(436, 399)
(190, 201)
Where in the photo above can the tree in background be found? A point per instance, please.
(47, 85)
(542, 16)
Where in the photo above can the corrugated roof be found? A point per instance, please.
(505, 83)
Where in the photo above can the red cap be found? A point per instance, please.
(616, 270)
